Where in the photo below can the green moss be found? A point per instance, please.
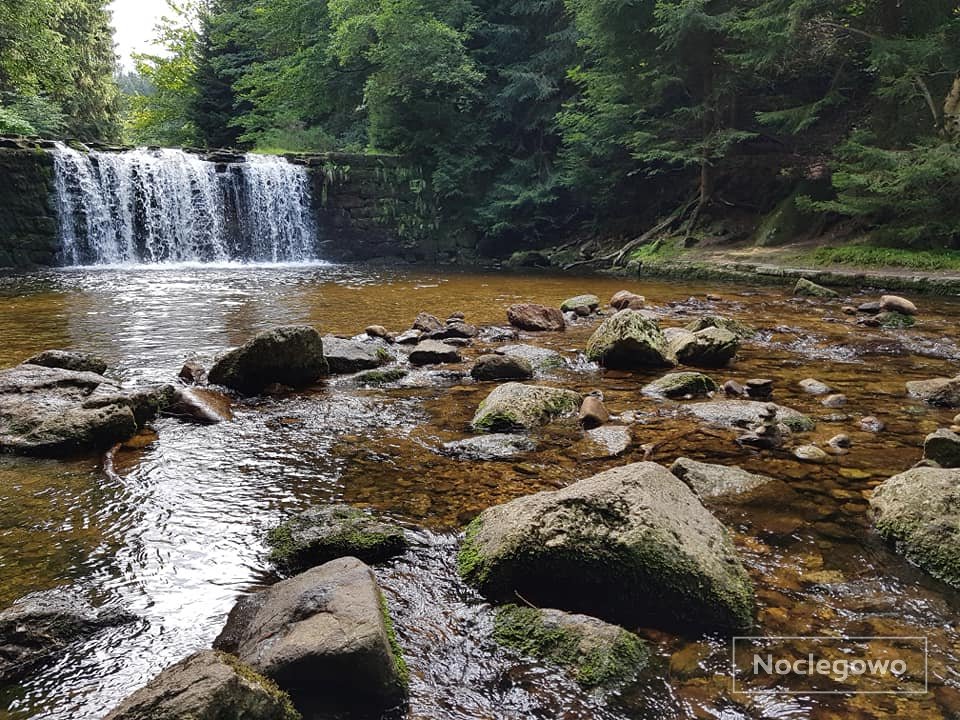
(659, 250)
(470, 564)
(400, 665)
(524, 629)
(384, 355)
(381, 377)
(799, 423)
(270, 687)
(872, 256)
(894, 320)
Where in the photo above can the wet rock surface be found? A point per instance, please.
(501, 367)
(629, 341)
(682, 385)
(350, 356)
(434, 352)
(290, 355)
(716, 481)
(529, 316)
(514, 407)
(746, 413)
(69, 360)
(496, 446)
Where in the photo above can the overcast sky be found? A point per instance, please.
(134, 21)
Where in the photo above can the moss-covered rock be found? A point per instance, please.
(809, 288)
(741, 330)
(321, 534)
(596, 653)
(515, 407)
(746, 414)
(541, 359)
(631, 545)
(893, 320)
(682, 384)
(629, 341)
(590, 302)
(381, 377)
(710, 347)
(919, 512)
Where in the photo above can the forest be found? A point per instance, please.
(535, 121)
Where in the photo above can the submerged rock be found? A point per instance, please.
(608, 441)
(206, 407)
(208, 685)
(39, 626)
(596, 653)
(581, 304)
(811, 289)
(434, 352)
(713, 481)
(325, 533)
(496, 446)
(515, 407)
(529, 316)
(324, 636)
(811, 454)
(748, 413)
(681, 385)
(711, 347)
(943, 392)
(350, 356)
(633, 544)
(943, 448)
(501, 367)
(919, 512)
(626, 300)
(291, 355)
(815, 387)
(542, 359)
(629, 341)
(69, 360)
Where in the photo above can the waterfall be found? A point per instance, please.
(153, 206)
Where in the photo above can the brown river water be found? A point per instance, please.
(175, 532)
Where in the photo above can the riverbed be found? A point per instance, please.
(174, 529)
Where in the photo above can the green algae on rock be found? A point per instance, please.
(629, 341)
(682, 384)
(516, 407)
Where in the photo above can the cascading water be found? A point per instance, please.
(151, 206)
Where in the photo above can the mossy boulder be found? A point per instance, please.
(596, 653)
(808, 288)
(746, 414)
(382, 377)
(350, 356)
(893, 320)
(516, 407)
(291, 355)
(711, 347)
(629, 341)
(682, 385)
(581, 304)
(741, 330)
(208, 685)
(541, 359)
(632, 545)
(919, 512)
(324, 533)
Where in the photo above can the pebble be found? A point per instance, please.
(840, 441)
(733, 388)
(814, 387)
(835, 401)
(872, 424)
(811, 453)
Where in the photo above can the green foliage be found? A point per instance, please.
(883, 257)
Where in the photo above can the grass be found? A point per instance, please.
(872, 256)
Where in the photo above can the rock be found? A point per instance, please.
(897, 304)
(535, 317)
(323, 635)
(351, 356)
(712, 347)
(681, 385)
(410, 337)
(39, 626)
(54, 412)
(760, 389)
(835, 401)
(713, 481)
(433, 352)
(632, 544)
(591, 303)
(501, 367)
(379, 332)
(381, 377)
(943, 448)
(208, 685)
(600, 443)
(734, 389)
(514, 407)
(811, 454)
(528, 259)
(291, 355)
(841, 441)
(811, 289)
(893, 320)
(192, 373)
(593, 413)
(628, 341)
(199, 405)
(497, 334)
(919, 512)
(597, 654)
(69, 360)
(872, 424)
(767, 433)
(427, 323)
(869, 308)
(747, 413)
(456, 316)
(455, 330)
(815, 387)
(327, 532)
(542, 359)
(848, 310)
(497, 446)
(942, 392)
(146, 402)
(742, 331)
(626, 300)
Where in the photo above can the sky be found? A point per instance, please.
(134, 21)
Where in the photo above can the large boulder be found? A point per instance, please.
(629, 341)
(747, 414)
(529, 316)
(40, 626)
(681, 385)
(632, 544)
(54, 412)
(208, 685)
(943, 392)
(710, 347)
(516, 407)
(596, 653)
(501, 367)
(291, 355)
(327, 532)
(715, 481)
(324, 636)
(919, 512)
(541, 359)
(351, 356)
(69, 360)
